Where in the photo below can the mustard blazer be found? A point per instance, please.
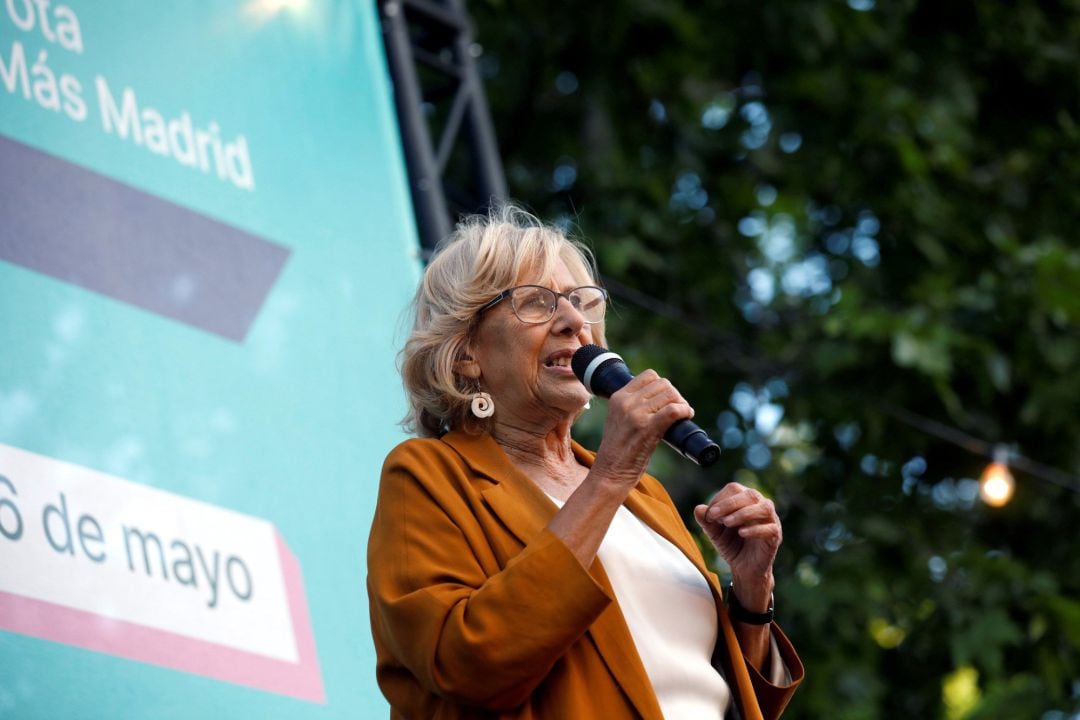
(478, 611)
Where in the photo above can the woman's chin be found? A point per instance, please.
(572, 406)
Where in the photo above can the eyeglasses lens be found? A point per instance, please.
(537, 304)
(533, 304)
(589, 301)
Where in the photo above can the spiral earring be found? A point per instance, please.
(482, 405)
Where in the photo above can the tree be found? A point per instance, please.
(816, 218)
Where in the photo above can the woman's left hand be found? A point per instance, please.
(743, 526)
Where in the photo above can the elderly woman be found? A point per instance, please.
(514, 574)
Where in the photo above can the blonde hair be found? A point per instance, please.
(482, 257)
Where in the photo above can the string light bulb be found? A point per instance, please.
(996, 485)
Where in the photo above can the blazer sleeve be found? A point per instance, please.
(786, 673)
(442, 607)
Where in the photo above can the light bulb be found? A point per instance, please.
(996, 484)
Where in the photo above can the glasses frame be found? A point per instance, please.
(508, 293)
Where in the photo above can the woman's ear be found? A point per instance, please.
(467, 367)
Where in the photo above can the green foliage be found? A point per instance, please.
(810, 213)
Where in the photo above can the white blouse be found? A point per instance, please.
(671, 614)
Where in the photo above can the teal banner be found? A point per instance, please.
(206, 249)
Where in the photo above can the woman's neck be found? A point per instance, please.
(545, 455)
(533, 445)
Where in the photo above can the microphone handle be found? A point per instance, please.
(692, 443)
(607, 374)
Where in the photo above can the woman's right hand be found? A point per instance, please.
(638, 416)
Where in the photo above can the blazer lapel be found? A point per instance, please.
(521, 506)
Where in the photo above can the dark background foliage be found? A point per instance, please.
(817, 217)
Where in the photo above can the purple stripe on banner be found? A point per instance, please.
(83, 228)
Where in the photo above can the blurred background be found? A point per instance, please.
(847, 231)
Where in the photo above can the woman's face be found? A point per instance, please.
(526, 367)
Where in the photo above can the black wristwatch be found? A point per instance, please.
(740, 614)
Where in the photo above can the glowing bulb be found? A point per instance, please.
(996, 485)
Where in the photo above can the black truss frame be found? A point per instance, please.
(438, 94)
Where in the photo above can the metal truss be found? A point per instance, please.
(446, 130)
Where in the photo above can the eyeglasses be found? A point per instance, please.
(536, 304)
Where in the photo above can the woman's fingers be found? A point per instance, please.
(734, 499)
(770, 531)
(650, 400)
(744, 510)
(752, 514)
(638, 416)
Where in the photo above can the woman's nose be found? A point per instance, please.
(567, 317)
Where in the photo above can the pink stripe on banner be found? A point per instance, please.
(302, 679)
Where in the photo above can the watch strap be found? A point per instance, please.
(740, 614)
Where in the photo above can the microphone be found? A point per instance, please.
(604, 372)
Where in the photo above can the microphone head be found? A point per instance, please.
(585, 355)
(601, 371)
